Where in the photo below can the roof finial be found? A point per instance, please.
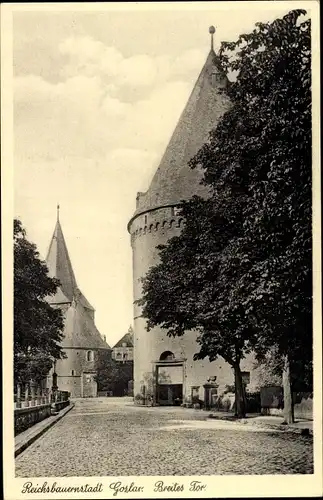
(58, 207)
(212, 31)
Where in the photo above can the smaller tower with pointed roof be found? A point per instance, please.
(82, 340)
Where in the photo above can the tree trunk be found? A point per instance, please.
(240, 406)
(288, 398)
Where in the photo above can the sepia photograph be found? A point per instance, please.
(164, 238)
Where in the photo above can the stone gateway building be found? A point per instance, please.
(82, 340)
(164, 366)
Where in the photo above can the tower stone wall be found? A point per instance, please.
(73, 370)
(149, 230)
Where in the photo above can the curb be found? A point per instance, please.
(281, 427)
(22, 446)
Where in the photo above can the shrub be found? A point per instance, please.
(139, 399)
(223, 402)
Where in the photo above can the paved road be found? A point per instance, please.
(111, 437)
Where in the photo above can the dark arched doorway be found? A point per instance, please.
(169, 387)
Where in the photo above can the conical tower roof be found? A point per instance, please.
(174, 180)
(79, 327)
(59, 263)
(80, 330)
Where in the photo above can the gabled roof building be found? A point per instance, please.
(123, 349)
(82, 340)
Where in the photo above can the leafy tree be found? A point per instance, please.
(272, 143)
(269, 369)
(125, 375)
(188, 290)
(113, 375)
(240, 272)
(107, 371)
(38, 327)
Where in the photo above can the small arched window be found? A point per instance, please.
(89, 356)
(167, 356)
(72, 373)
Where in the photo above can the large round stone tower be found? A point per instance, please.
(165, 365)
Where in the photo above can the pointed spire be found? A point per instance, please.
(212, 31)
(79, 326)
(59, 263)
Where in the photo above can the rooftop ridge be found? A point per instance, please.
(127, 339)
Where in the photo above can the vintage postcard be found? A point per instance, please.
(161, 250)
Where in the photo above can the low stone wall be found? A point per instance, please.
(272, 402)
(59, 405)
(303, 405)
(27, 417)
(104, 394)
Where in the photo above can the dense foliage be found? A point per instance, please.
(272, 159)
(241, 271)
(37, 326)
(113, 375)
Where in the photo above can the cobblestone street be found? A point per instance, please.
(111, 437)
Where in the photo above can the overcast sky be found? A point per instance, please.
(96, 98)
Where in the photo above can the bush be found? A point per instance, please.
(223, 402)
(139, 399)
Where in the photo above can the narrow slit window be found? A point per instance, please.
(245, 377)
